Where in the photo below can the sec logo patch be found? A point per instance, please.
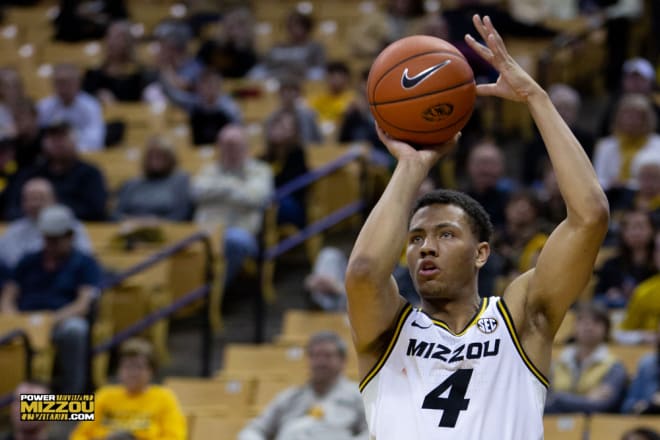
(487, 325)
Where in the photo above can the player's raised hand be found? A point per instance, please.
(513, 83)
(403, 151)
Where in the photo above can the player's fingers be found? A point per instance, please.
(495, 41)
(490, 89)
(479, 26)
(482, 50)
(384, 137)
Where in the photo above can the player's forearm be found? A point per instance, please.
(585, 200)
(379, 244)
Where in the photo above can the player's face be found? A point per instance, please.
(443, 254)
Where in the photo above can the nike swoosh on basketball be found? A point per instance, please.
(410, 82)
(414, 324)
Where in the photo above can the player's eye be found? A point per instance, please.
(447, 234)
(416, 239)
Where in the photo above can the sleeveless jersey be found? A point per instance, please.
(433, 384)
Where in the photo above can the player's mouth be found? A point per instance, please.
(427, 268)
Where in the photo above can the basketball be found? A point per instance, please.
(421, 90)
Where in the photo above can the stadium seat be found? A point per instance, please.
(630, 355)
(299, 325)
(564, 426)
(205, 427)
(12, 364)
(613, 426)
(226, 397)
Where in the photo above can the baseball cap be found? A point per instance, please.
(640, 66)
(55, 221)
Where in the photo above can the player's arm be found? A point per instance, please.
(373, 297)
(566, 262)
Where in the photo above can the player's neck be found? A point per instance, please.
(455, 312)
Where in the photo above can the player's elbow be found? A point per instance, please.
(595, 213)
(360, 272)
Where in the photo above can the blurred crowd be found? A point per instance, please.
(48, 190)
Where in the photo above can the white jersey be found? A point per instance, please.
(433, 384)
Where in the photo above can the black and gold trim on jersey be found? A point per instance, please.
(383, 358)
(504, 311)
(473, 321)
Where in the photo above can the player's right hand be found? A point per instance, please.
(404, 152)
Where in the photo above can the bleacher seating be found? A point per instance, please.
(564, 426)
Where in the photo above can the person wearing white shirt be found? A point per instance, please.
(81, 110)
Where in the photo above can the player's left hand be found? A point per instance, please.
(513, 83)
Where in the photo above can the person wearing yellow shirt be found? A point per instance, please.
(134, 409)
(332, 103)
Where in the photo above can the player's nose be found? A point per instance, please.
(428, 247)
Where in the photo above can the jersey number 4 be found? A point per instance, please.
(455, 402)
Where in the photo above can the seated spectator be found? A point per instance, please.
(567, 101)
(523, 235)
(553, 208)
(643, 395)
(332, 103)
(486, 184)
(299, 55)
(77, 184)
(325, 284)
(290, 100)
(328, 406)
(587, 377)
(23, 236)
(81, 110)
(120, 77)
(64, 281)
(643, 312)
(638, 77)
(173, 57)
(162, 191)
(286, 156)
(375, 29)
(646, 197)
(12, 89)
(232, 52)
(209, 109)
(33, 429)
(79, 20)
(8, 168)
(619, 275)
(29, 135)
(233, 192)
(134, 408)
(616, 156)
(641, 434)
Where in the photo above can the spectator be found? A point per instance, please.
(33, 429)
(325, 284)
(641, 434)
(553, 208)
(162, 191)
(587, 377)
(8, 168)
(12, 90)
(290, 100)
(286, 156)
(485, 169)
(375, 29)
(29, 135)
(65, 281)
(209, 109)
(77, 184)
(619, 275)
(567, 101)
(647, 195)
(23, 237)
(80, 20)
(299, 56)
(638, 77)
(233, 192)
(120, 77)
(643, 395)
(615, 157)
(328, 406)
(232, 52)
(332, 103)
(643, 312)
(134, 408)
(173, 57)
(81, 110)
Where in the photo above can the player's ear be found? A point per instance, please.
(481, 255)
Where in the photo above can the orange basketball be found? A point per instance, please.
(421, 90)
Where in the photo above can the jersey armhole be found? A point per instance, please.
(403, 315)
(511, 328)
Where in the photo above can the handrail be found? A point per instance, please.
(6, 339)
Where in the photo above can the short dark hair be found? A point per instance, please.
(597, 312)
(479, 220)
(337, 67)
(135, 347)
(328, 336)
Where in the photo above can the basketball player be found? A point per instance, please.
(461, 367)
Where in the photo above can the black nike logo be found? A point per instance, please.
(408, 82)
(414, 324)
